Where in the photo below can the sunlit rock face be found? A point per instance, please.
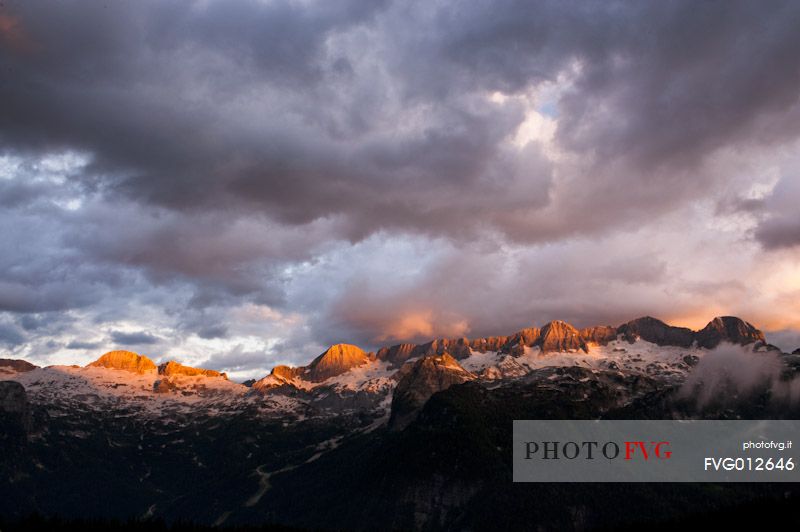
(599, 335)
(279, 377)
(174, 368)
(517, 342)
(164, 386)
(728, 329)
(491, 343)
(336, 360)
(125, 360)
(397, 354)
(657, 332)
(286, 372)
(421, 379)
(458, 348)
(561, 336)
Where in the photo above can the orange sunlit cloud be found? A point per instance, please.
(422, 324)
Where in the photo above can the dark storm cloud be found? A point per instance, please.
(239, 360)
(133, 338)
(258, 104)
(469, 292)
(76, 344)
(10, 335)
(31, 322)
(213, 331)
(222, 146)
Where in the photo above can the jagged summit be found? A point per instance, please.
(174, 368)
(334, 361)
(397, 354)
(125, 360)
(656, 331)
(728, 329)
(419, 380)
(554, 337)
(286, 372)
(561, 336)
(525, 338)
(599, 334)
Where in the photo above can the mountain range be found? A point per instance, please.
(411, 436)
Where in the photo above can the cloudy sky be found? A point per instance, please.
(238, 184)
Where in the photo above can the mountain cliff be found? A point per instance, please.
(174, 368)
(561, 336)
(421, 379)
(656, 331)
(336, 360)
(728, 329)
(125, 360)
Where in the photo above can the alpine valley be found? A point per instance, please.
(408, 437)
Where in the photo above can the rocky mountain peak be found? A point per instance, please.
(656, 331)
(125, 360)
(419, 380)
(396, 354)
(335, 361)
(600, 335)
(458, 347)
(491, 343)
(518, 341)
(174, 368)
(286, 373)
(561, 336)
(728, 329)
(16, 365)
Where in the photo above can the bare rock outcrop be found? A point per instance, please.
(458, 348)
(492, 343)
(17, 365)
(396, 354)
(286, 373)
(561, 336)
(657, 332)
(173, 368)
(600, 335)
(336, 360)
(418, 381)
(164, 385)
(125, 360)
(517, 342)
(728, 329)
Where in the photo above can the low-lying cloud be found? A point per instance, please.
(732, 373)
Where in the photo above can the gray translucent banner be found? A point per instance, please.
(657, 451)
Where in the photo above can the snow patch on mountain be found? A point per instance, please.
(637, 357)
(101, 388)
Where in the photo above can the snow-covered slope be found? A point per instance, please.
(668, 362)
(63, 388)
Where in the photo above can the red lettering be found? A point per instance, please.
(664, 455)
